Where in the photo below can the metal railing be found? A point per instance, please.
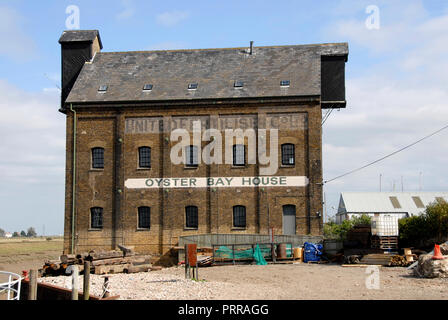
(12, 286)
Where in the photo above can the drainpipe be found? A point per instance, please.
(73, 179)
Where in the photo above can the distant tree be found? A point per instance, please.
(15, 234)
(22, 233)
(31, 232)
(427, 228)
(333, 230)
(2, 233)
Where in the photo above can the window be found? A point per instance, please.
(284, 83)
(288, 157)
(191, 153)
(144, 157)
(98, 158)
(395, 202)
(192, 86)
(239, 216)
(239, 155)
(96, 218)
(440, 200)
(418, 202)
(147, 87)
(102, 88)
(238, 84)
(144, 217)
(191, 217)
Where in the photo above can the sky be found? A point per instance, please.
(396, 85)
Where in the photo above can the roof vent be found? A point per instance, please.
(192, 86)
(284, 83)
(238, 84)
(147, 87)
(251, 49)
(102, 88)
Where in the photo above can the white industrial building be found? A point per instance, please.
(385, 208)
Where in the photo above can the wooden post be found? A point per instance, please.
(186, 261)
(32, 289)
(197, 271)
(86, 284)
(75, 281)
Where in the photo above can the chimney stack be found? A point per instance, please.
(77, 47)
(251, 47)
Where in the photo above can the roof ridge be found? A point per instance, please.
(230, 48)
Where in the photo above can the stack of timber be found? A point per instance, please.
(376, 259)
(101, 262)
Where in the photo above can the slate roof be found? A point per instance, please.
(215, 71)
(80, 36)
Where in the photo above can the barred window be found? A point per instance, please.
(239, 216)
(144, 157)
(98, 158)
(96, 218)
(144, 217)
(288, 154)
(239, 155)
(191, 153)
(191, 217)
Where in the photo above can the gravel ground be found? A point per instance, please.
(287, 281)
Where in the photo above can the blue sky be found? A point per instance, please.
(396, 85)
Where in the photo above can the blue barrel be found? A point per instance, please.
(312, 252)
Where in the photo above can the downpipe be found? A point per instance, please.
(73, 180)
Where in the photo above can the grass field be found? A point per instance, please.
(21, 246)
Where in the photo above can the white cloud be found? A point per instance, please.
(129, 10)
(32, 160)
(401, 98)
(33, 136)
(169, 19)
(15, 43)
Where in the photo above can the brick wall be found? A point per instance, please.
(106, 127)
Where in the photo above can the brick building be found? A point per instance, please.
(122, 186)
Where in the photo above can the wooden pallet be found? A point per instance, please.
(385, 243)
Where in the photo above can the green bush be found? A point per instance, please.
(424, 230)
(339, 231)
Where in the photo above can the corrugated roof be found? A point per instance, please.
(381, 202)
(215, 71)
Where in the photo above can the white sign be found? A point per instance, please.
(217, 182)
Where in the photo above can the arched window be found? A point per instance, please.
(239, 216)
(191, 217)
(144, 157)
(144, 217)
(97, 158)
(96, 218)
(239, 156)
(191, 154)
(288, 157)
